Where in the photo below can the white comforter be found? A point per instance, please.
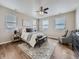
(30, 37)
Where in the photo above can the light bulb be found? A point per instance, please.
(41, 13)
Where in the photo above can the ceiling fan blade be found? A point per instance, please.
(46, 8)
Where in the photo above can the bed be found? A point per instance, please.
(43, 52)
(33, 38)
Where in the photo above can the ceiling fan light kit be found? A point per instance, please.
(41, 13)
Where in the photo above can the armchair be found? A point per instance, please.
(66, 38)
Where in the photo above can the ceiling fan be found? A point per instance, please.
(43, 10)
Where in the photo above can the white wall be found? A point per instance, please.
(7, 35)
(77, 18)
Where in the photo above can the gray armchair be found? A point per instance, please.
(66, 38)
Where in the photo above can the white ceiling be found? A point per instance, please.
(30, 6)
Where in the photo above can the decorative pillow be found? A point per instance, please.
(77, 33)
(29, 30)
(25, 36)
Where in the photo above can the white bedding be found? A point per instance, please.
(30, 37)
(32, 42)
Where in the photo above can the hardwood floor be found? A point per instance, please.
(62, 52)
(11, 51)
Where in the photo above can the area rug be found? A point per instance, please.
(44, 52)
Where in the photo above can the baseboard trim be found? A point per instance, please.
(53, 38)
(8, 42)
(5, 42)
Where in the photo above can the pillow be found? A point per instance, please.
(24, 36)
(77, 33)
(39, 36)
(69, 32)
(66, 32)
(29, 30)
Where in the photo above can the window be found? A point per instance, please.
(45, 24)
(35, 25)
(60, 23)
(11, 22)
(27, 23)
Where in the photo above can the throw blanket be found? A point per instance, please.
(30, 37)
